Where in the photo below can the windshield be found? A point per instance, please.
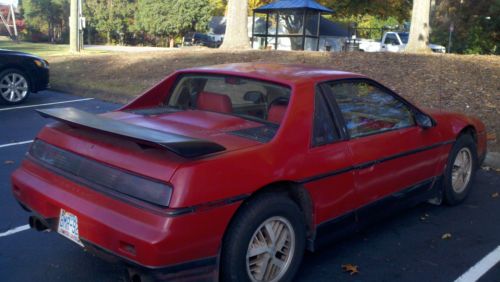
(404, 37)
(246, 98)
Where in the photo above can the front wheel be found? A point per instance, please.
(14, 86)
(460, 170)
(265, 241)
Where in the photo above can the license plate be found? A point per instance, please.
(68, 226)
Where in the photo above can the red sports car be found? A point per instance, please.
(231, 172)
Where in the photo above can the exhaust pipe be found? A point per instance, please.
(134, 275)
(37, 223)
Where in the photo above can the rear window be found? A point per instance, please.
(247, 98)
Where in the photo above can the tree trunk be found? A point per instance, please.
(236, 36)
(420, 28)
(171, 42)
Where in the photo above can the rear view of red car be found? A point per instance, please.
(231, 172)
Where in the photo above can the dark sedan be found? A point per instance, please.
(21, 74)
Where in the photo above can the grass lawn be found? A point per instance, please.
(41, 49)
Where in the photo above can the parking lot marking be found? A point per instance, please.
(480, 268)
(16, 143)
(15, 230)
(46, 104)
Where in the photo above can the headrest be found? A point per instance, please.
(214, 102)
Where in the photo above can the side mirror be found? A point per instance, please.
(423, 120)
(254, 96)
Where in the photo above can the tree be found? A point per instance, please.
(171, 19)
(400, 9)
(219, 7)
(236, 36)
(46, 16)
(476, 26)
(418, 41)
(110, 17)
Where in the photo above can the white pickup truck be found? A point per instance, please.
(393, 42)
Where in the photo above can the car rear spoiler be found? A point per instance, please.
(184, 146)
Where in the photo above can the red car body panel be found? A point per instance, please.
(211, 188)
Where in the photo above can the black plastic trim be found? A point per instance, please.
(371, 163)
(171, 212)
(361, 217)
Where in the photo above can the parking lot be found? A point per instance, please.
(426, 243)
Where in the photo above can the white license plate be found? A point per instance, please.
(68, 226)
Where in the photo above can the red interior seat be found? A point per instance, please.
(214, 102)
(276, 113)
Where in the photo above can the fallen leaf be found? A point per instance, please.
(8, 162)
(424, 217)
(494, 195)
(350, 268)
(491, 136)
(487, 168)
(446, 236)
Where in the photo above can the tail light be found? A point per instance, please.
(101, 176)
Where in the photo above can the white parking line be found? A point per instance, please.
(480, 268)
(46, 104)
(16, 143)
(15, 230)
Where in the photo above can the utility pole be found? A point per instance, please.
(74, 23)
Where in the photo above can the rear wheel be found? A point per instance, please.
(460, 170)
(14, 86)
(265, 241)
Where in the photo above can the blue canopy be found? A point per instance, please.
(293, 4)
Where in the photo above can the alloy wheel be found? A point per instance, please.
(271, 250)
(462, 170)
(13, 87)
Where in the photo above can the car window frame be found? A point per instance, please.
(392, 38)
(333, 101)
(319, 93)
(180, 75)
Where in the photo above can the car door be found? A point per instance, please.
(331, 180)
(391, 43)
(392, 156)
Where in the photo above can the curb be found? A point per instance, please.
(492, 159)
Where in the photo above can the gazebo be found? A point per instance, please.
(288, 24)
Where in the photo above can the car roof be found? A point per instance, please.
(289, 74)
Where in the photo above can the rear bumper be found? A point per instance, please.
(168, 246)
(198, 270)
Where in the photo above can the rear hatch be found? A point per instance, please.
(156, 144)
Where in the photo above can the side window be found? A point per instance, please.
(391, 39)
(368, 109)
(324, 130)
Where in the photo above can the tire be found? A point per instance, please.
(460, 170)
(248, 232)
(15, 86)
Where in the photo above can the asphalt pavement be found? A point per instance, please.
(409, 246)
